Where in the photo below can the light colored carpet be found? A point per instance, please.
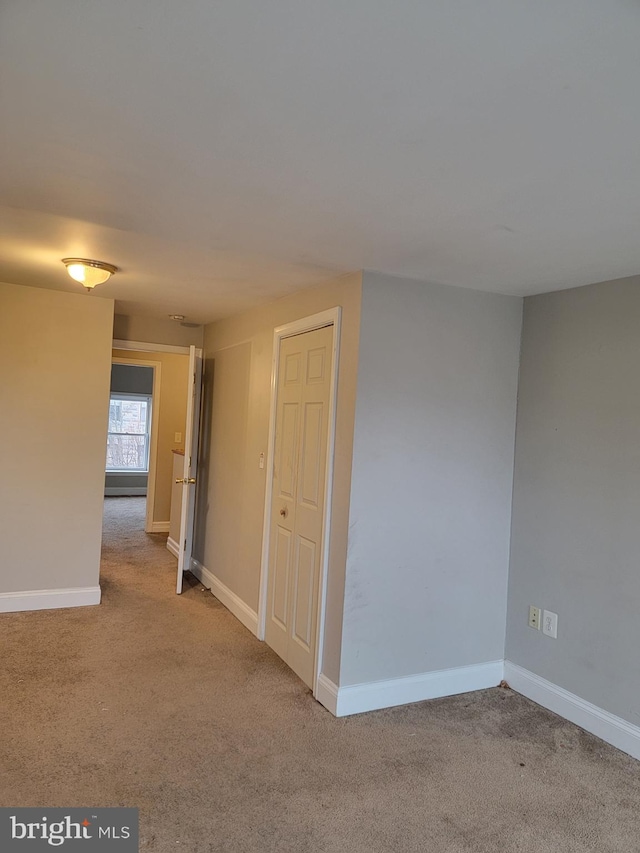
(169, 704)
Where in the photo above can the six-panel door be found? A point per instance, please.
(297, 498)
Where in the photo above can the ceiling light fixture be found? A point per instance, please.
(89, 273)
(180, 318)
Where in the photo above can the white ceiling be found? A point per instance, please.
(223, 152)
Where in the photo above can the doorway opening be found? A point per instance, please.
(150, 388)
(133, 432)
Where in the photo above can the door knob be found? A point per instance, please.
(283, 512)
(188, 480)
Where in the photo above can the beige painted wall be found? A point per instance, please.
(55, 353)
(155, 331)
(172, 410)
(231, 489)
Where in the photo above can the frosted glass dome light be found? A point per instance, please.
(89, 273)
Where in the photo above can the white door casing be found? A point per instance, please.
(298, 497)
(190, 467)
(153, 439)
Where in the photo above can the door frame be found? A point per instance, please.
(145, 346)
(330, 317)
(190, 466)
(156, 366)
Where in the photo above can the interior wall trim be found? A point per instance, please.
(231, 601)
(371, 696)
(49, 599)
(327, 694)
(610, 728)
(173, 546)
(144, 346)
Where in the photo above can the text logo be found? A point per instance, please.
(102, 830)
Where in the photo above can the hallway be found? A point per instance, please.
(170, 705)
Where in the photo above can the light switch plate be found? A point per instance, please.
(177, 437)
(550, 624)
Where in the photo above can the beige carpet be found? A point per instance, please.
(169, 704)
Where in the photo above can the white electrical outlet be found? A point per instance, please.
(534, 617)
(550, 624)
(177, 437)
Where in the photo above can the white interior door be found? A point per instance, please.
(188, 479)
(297, 498)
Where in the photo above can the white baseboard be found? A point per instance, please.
(173, 546)
(158, 527)
(327, 694)
(125, 491)
(358, 698)
(614, 730)
(49, 599)
(231, 601)
(204, 575)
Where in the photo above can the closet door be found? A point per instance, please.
(297, 498)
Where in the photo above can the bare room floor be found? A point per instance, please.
(169, 704)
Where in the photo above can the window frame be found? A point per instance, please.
(148, 398)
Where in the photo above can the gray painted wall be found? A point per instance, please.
(135, 484)
(427, 566)
(576, 509)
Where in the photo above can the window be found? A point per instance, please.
(129, 430)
